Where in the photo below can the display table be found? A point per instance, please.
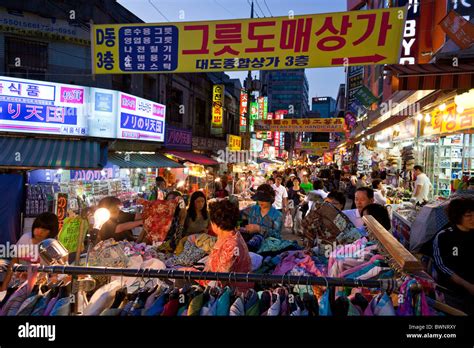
(401, 227)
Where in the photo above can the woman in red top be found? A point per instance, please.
(230, 253)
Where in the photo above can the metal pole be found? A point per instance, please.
(249, 94)
(225, 277)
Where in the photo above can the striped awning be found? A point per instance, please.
(193, 157)
(432, 76)
(137, 160)
(25, 153)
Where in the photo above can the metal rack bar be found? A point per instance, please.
(224, 277)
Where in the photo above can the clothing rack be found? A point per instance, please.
(384, 284)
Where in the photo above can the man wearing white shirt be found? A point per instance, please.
(363, 197)
(379, 194)
(422, 186)
(281, 195)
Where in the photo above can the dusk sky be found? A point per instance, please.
(322, 81)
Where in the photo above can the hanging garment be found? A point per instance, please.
(381, 305)
(62, 307)
(139, 304)
(210, 308)
(251, 303)
(324, 305)
(171, 308)
(223, 303)
(152, 298)
(265, 302)
(413, 304)
(50, 306)
(275, 308)
(158, 305)
(102, 298)
(28, 306)
(41, 305)
(237, 308)
(15, 301)
(195, 305)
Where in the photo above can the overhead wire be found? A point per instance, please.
(156, 8)
(225, 8)
(263, 13)
(265, 2)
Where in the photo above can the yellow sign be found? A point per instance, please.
(217, 106)
(315, 148)
(234, 142)
(322, 125)
(449, 120)
(276, 43)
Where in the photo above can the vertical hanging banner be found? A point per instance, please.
(276, 43)
(243, 110)
(269, 133)
(217, 109)
(261, 105)
(60, 208)
(253, 114)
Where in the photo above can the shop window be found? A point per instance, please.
(175, 102)
(25, 58)
(149, 87)
(200, 111)
(122, 83)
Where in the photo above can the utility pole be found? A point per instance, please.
(249, 88)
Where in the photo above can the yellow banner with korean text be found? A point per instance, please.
(234, 142)
(315, 148)
(449, 121)
(217, 106)
(276, 43)
(291, 125)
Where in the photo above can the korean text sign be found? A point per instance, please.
(140, 119)
(42, 107)
(323, 125)
(217, 105)
(179, 138)
(307, 41)
(234, 142)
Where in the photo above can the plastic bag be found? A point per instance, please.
(288, 221)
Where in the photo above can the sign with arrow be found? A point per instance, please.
(276, 43)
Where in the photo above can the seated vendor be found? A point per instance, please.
(197, 217)
(120, 224)
(452, 253)
(230, 253)
(262, 217)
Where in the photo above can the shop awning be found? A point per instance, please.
(26, 153)
(432, 76)
(137, 160)
(193, 157)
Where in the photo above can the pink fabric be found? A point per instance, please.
(350, 249)
(356, 268)
(300, 259)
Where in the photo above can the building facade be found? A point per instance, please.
(286, 90)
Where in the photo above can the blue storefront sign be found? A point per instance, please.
(42, 107)
(178, 138)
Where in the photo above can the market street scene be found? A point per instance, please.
(237, 158)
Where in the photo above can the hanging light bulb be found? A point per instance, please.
(363, 138)
(127, 171)
(442, 107)
(419, 117)
(60, 171)
(139, 170)
(427, 118)
(460, 109)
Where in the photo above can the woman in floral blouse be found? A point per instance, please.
(230, 253)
